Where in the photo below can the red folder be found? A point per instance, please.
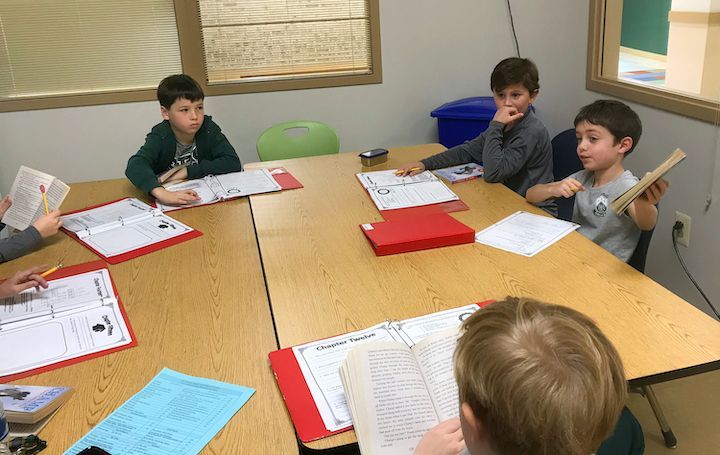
(298, 398)
(412, 234)
(134, 253)
(70, 271)
(284, 178)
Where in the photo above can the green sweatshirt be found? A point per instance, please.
(214, 153)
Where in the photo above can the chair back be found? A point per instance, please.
(637, 260)
(565, 162)
(297, 139)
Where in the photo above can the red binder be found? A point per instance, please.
(298, 398)
(412, 234)
(134, 253)
(70, 271)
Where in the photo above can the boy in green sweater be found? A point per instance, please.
(187, 144)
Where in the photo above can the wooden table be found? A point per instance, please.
(199, 307)
(323, 278)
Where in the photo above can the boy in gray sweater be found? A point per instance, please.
(515, 149)
(25, 241)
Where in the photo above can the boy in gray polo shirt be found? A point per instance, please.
(607, 131)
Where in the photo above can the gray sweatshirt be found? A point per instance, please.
(519, 158)
(18, 244)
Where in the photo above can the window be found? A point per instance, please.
(96, 52)
(84, 52)
(663, 53)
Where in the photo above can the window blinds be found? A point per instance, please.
(251, 40)
(50, 47)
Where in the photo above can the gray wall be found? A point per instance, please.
(433, 52)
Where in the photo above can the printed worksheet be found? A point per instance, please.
(388, 191)
(525, 233)
(74, 317)
(173, 414)
(214, 188)
(107, 216)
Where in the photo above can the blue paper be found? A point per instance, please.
(174, 414)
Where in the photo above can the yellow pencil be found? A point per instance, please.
(400, 171)
(42, 191)
(49, 271)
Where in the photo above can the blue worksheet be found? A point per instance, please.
(174, 414)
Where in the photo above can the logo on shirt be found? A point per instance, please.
(601, 205)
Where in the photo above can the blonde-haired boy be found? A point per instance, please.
(533, 378)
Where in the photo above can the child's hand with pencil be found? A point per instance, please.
(565, 188)
(49, 224)
(23, 280)
(410, 169)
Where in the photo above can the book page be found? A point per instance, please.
(124, 209)
(411, 195)
(389, 399)
(46, 340)
(525, 233)
(61, 295)
(28, 403)
(237, 184)
(319, 362)
(200, 186)
(130, 237)
(388, 178)
(434, 355)
(416, 329)
(27, 202)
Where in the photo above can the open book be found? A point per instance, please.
(308, 374)
(621, 203)
(27, 201)
(216, 188)
(461, 173)
(124, 229)
(29, 404)
(77, 317)
(388, 191)
(396, 392)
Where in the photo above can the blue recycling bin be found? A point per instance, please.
(465, 119)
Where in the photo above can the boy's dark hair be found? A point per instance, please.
(515, 70)
(178, 86)
(616, 116)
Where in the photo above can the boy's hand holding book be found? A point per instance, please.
(655, 192)
(182, 197)
(446, 438)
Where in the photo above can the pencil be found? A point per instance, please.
(49, 271)
(42, 191)
(400, 171)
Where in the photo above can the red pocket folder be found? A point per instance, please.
(412, 234)
(70, 271)
(285, 179)
(134, 253)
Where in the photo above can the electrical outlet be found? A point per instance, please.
(683, 237)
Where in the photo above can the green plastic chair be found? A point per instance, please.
(297, 139)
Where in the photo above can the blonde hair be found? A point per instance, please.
(541, 378)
